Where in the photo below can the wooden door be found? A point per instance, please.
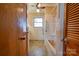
(11, 42)
(71, 41)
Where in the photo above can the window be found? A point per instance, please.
(38, 22)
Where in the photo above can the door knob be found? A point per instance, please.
(22, 38)
(66, 41)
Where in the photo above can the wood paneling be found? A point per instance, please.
(9, 29)
(72, 29)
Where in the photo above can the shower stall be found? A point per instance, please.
(44, 34)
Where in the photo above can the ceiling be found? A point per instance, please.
(31, 7)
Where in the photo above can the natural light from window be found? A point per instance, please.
(38, 22)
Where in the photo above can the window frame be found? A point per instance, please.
(38, 22)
